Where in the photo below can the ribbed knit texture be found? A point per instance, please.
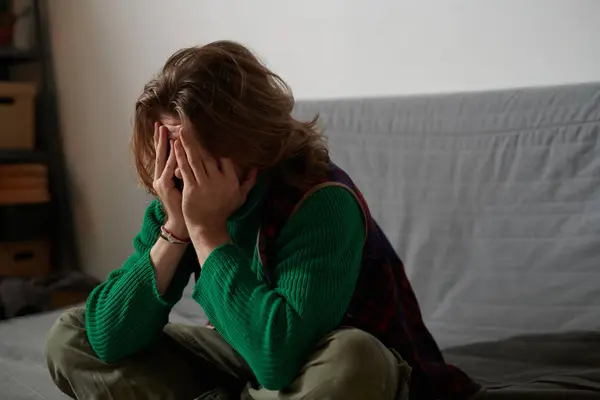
(314, 269)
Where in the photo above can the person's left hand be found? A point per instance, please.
(211, 192)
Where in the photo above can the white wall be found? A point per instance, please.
(105, 50)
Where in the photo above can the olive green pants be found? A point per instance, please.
(190, 362)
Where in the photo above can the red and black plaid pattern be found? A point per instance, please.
(384, 303)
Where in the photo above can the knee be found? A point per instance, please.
(364, 366)
(359, 351)
(65, 334)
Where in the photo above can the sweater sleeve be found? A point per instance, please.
(125, 314)
(314, 273)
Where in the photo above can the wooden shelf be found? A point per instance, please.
(11, 55)
(22, 156)
(55, 218)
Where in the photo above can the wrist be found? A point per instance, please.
(214, 237)
(205, 241)
(179, 231)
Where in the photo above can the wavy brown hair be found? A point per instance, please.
(237, 107)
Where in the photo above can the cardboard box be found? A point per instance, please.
(17, 115)
(25, 259)
(23, 170)
(23, 196)
(23, 184)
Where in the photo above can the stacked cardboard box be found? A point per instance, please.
(17, 115)
(21, 184)
(29, 259)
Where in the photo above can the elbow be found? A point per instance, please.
(106, 350)
(276, 383)
(279, 375)
(113, 343)
(101, 340)
(277, 368)
(107, 356)
(106, 342)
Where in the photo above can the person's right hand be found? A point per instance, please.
(164, 185)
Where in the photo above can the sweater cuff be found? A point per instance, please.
(143, 275)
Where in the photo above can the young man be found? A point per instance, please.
(305, 295)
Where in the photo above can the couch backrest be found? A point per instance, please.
(491, 199)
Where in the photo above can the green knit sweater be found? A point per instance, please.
(315, 264)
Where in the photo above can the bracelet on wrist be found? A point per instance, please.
(169, 237)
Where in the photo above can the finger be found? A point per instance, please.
(228, 169)
(193, 155)
(187, 135)
(161, 152)
(184, 166)
(248, 183)
(210, 163)
(156, 125)
(171, 164)
(156, 150)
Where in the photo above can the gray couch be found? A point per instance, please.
(493, 202)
